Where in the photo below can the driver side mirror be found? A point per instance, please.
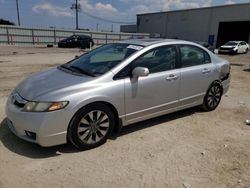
(140, 71)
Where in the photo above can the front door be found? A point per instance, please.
(149, 96)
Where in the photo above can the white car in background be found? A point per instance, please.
(234, 47)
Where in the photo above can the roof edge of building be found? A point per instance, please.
(201, 8)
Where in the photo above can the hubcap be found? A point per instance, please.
(93, 127)
(214, 96)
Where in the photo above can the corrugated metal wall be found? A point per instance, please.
(15, 35)
(199, 24)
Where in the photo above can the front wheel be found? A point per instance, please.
(91, 126)
(212, 97)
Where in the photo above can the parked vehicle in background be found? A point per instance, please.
(234, 47)
(79, 41)
(206, 45)
(113, 86)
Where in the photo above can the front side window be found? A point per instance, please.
(192, 56)
(158, 60)
(101, 60)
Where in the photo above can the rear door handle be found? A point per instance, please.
(205, 71)
(172, 77)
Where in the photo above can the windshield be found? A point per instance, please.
(101, 60)
(231, 44)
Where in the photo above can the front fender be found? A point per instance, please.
(93, 99)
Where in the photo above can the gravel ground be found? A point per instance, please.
(189, 148)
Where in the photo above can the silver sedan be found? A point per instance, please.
(118, 84)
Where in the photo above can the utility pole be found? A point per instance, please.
(97, 27)
(76, 14)
(76, 6)
(17, 9)
(112, 28)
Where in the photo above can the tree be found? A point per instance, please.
(5, 22)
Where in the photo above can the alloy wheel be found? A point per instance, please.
(93, 127)
(214, 96)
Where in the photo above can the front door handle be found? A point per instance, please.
(205, 71)
(172, 77)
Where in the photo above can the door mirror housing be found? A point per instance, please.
(140, 71)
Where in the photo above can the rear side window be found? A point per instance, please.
(193, 56)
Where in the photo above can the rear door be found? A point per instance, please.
(240, 48)
(196, 74)
(243, 47)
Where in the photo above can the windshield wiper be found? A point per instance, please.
(82, 70)
(97, 73)
(66, 67)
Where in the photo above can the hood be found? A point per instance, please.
(48, 81)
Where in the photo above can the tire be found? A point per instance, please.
(246, 51)
(91, 126)
(213, 97)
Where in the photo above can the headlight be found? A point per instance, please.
(44, 106)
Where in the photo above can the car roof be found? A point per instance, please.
(200, 42)
(80, 35)
(151, 41)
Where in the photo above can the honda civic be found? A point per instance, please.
(113, 86)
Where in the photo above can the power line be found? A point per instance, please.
(107, 20)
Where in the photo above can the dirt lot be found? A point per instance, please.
(190, 148)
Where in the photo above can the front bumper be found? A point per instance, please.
(49, 128)
(227, 50)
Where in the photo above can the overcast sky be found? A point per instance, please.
(57, 13)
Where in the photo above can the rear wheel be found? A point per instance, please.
(246, 51)
(212, 97)
(91, 126)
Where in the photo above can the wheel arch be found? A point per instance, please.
(118, 124)
(215, 82)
